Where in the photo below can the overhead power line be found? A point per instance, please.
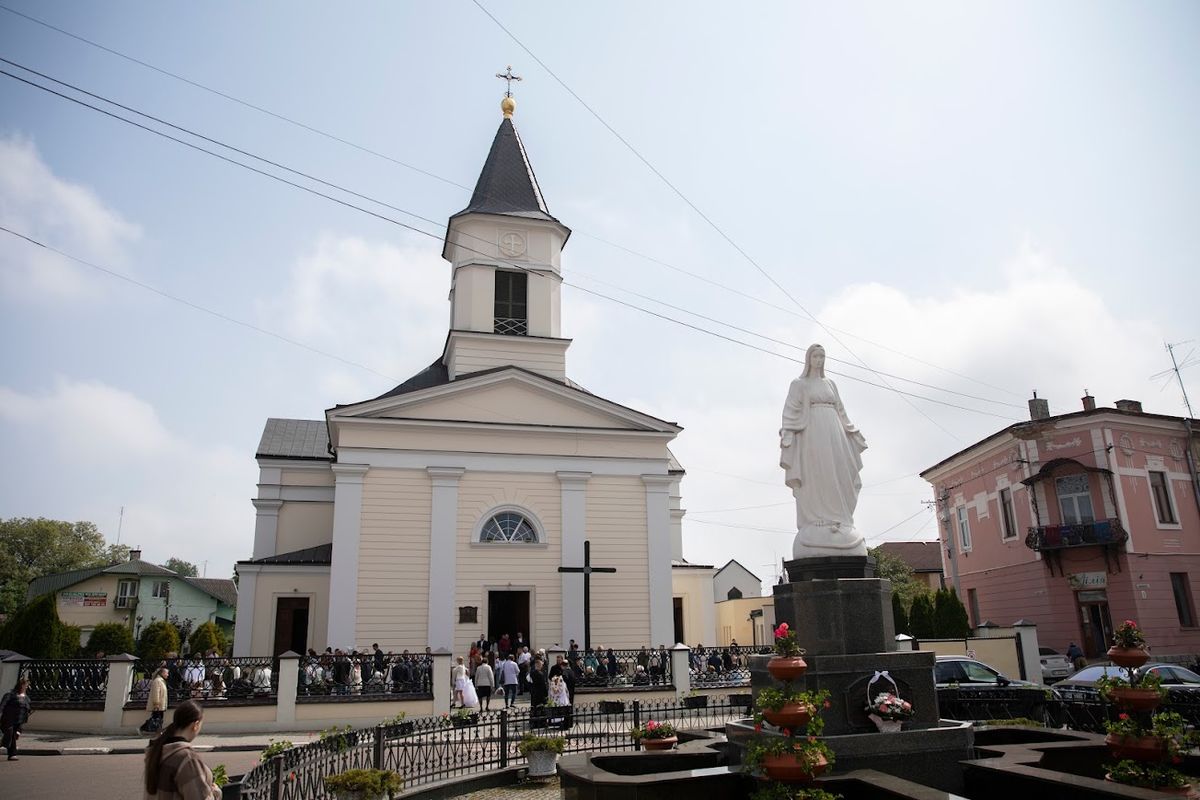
(420, 231)
(349, 143)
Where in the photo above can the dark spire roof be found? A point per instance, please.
(507, 184)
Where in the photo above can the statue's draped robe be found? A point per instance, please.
(823, 462)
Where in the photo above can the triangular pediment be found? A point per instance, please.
(509, 396)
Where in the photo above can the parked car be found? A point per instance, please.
(971, 690)
(1182, 684)
(1055, 666)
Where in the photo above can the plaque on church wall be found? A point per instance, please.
(468, 615)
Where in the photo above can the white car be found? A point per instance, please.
(1055, 666)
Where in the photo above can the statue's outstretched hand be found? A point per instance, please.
(786, 438)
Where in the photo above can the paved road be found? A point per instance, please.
(108, 777)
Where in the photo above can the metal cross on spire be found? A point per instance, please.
(508, 76)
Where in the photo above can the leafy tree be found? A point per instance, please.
(899, 615)
(208, 637)
(109, 638)
(185, 568)
(921, 622)
(36, 631)
(158, 639)
(950, 617)
(904, 584)
(30, 548)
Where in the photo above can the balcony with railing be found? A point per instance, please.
(1042, 538)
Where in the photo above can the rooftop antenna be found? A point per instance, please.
(120, 522)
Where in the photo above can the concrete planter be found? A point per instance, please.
(542, 763)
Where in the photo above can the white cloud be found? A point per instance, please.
(1040, 326)
(378, 304)
(90, 448)
(37, 203)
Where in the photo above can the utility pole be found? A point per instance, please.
(943, 513)
(120, 522)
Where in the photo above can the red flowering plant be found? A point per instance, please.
(1129, 636)
(785, 642)
(888, 705)
(652, 730)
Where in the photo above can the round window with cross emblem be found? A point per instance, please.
(512, 244)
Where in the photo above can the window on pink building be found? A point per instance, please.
(1074, 499)
(1183, 599)
(964, 528)
(1007, 513)
(1162, 498)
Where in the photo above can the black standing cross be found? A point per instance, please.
(587, 569)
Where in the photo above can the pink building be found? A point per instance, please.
(1076, 520)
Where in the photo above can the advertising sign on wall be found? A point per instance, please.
(1088, 580)
(84, 598)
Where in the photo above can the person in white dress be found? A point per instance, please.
(821, 455)
(458, 679)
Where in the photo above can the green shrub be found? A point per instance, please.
(207, 637)
(371, 782)
(158, 639)
(899, 615)
(920, 617)
(35, 630)
(109, 638)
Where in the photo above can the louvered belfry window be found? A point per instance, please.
(512, 315)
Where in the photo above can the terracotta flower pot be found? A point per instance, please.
(660, 744)
(790, 768)
(1178, 791)
(1132, 657)
(1139, 748)
(792, 715)
(786, 668)
(1135, 699)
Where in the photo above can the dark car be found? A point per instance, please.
(971, 690)
(1181, 684)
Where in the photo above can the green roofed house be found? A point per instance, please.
(136, 593)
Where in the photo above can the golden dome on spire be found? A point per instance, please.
(507, 107)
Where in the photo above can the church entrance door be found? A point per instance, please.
(291, 625)
(508, 612)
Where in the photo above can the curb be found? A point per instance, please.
(125, 750)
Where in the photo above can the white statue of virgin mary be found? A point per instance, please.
(821, 455)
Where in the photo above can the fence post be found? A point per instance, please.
(681, 668)
(10, 670)
(377, 755)
(120, 679)
(285, 696)
(277, 782)
(637, 721)
(503, 738)
(1027, 650)
(904, 643)
(440, 679)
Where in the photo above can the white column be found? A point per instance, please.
(681, 672)
(285, 696)
(658, 557)
(120, 680)
(343, 569)
(443, 547)
(574, 531)
(266, 527)
(439, 683)
(243, 631)
(10, 670)
(1030, 656)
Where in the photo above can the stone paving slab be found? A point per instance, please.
(50, 743)
(530, 790)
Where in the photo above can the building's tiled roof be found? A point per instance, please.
(295, 438)
(138, 567)
(59, 580)
(321, 554)
(506, 183)
(921, 556)
(733, 561)
(435, 374)
(223, 589)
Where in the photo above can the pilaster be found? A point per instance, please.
(266, 526)
(243, 633)
(443, 546)
(574, 532)
(658, 557)
(343, 569)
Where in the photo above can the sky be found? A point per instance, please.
(975, 200)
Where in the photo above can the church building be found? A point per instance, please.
(449, 505)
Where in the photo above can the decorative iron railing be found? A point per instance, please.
(510, 326)
(432, 749)
(73, 682)
(622, 668)
(253, 679)
(1058, 537)
(363, 676)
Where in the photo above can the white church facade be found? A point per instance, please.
(446, 506)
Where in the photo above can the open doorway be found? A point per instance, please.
(677, 614)
(291, 625)
(1095, 621)
(508, 612)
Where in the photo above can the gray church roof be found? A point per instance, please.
(321, 554)
(507, 184)
(295, 438)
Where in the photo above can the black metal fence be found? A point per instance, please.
(244, 680)
(363, 675)
(432, 749)
(1079, 713)
(617, 669)
(67, 683)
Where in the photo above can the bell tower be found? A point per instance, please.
(505, 252)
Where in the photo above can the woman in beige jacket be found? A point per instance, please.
(174, 771)
(156, 702)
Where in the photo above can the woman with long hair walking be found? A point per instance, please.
(174, 771)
